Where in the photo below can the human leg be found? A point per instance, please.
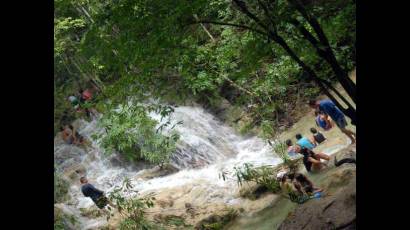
(341, 123)
(323, 156)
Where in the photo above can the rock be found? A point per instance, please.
(215, 221)
(252, 191)
(189, 209)
(157, 171)
(74, 172)
(165, 203)
(92, 212)
(332, 212)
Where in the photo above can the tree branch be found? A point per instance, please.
(230, 24)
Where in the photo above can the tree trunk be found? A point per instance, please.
(328, 54)
(350, 111)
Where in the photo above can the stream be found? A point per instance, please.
(206, 147)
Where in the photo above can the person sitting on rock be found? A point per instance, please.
(311, 160)
(305, 142)
(318, 136)
(296, 186)
(291, 149)
(303, 184)
(95, 194)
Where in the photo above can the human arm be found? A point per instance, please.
(313, 160)
(313, 141)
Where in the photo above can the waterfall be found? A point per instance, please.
(206, 147)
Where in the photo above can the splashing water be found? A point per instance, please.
(206, 148)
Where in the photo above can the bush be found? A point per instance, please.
(132, 209)
(130, 131)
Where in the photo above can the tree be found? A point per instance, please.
(275, 14)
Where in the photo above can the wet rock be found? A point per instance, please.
(165, 203)
(252, 191)
(157, 171)
(189, 209)
(75, 172)
(66, 156)
(217, 221)
(92, 212)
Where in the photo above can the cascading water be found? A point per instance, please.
(206, 147)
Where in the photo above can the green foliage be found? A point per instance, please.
(61, 187)
(64, 221)
(263, 175)
(280, 148)
(154, 48)
(131, 131)
(132, 209)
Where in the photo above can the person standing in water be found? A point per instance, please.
(330, 109)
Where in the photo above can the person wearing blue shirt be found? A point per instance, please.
(305, 142)
(328, 108)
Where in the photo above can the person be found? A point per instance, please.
(303, 184)
(74, 101)
(319, 138)
(78, 139)
(67, 134)
(330, 109)
(297, 186)
(291, 150)
(322, 122)
(311, 160)
(305, 142)
(95, 194)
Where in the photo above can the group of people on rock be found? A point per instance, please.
(296, 185)
(80, 103)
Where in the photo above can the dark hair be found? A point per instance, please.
(316, 112)
(82, 179)
(291, 175)
(300, 177)
(62, 128)
(70, 126)
(288, 142)
(313, 130)
(283, 179)
(312, 102)
(298, 136)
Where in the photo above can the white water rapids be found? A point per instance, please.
(206, 147)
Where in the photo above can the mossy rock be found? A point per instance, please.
(253, 191)
(173, 221)
(91, 212)
(217, 222)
